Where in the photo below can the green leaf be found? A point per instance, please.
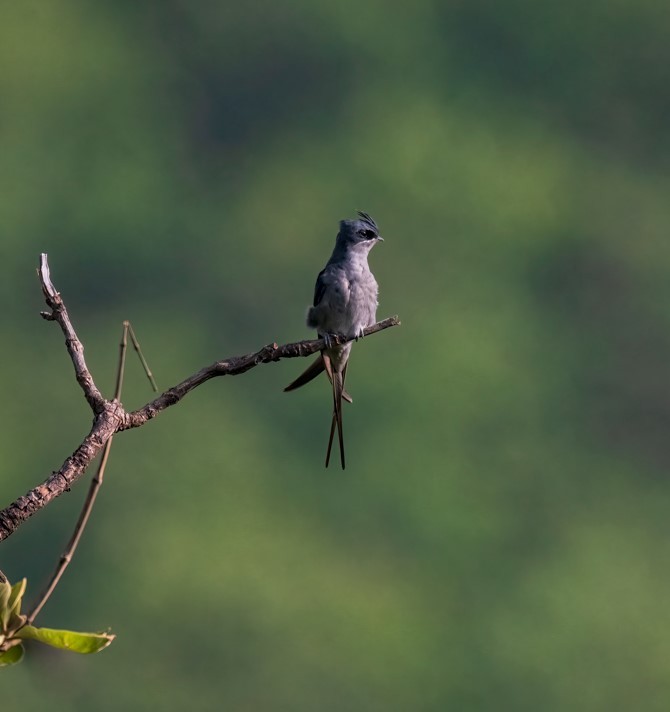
(11, 656)
(5, 593)
(18, 589)
(14, 604)
(67, 639)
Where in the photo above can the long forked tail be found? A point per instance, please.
(310, 373)
(337, 379)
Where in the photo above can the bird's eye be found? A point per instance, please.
(366, 234)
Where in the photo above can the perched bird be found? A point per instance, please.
(345, 302)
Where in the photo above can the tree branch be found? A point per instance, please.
(234, 367)
(110, 416)
(96, 481)
(105, 425)
(74, 346)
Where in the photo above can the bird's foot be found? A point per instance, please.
(360, 333)
(329, 340)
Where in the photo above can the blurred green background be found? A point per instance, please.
(500, 539)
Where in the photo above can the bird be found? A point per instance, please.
(345, 303)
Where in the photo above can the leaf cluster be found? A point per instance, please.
(14, 629)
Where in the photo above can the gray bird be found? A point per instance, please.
(345, 302)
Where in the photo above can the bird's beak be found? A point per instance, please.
(379, 237)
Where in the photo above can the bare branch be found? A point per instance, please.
(93, 489)
(105, 425)
(234, 367)
(74, 346)
(110, 417)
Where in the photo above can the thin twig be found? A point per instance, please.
(143, 361)
(67, 555)
(121, 368)
(110, 416)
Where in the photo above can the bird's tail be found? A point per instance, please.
(311, 372)
(337, 379)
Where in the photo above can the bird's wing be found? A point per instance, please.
(320, 287)
(312, 371)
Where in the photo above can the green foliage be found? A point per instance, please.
(11, 619)
(12, 655)
(67, 639)
(13, 630)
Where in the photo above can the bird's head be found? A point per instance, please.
(361, 233)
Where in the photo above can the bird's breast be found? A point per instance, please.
(349, 302)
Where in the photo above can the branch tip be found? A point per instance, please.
(45, 277)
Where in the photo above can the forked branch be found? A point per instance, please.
(96, 481)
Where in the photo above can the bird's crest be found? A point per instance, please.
(367, 219)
